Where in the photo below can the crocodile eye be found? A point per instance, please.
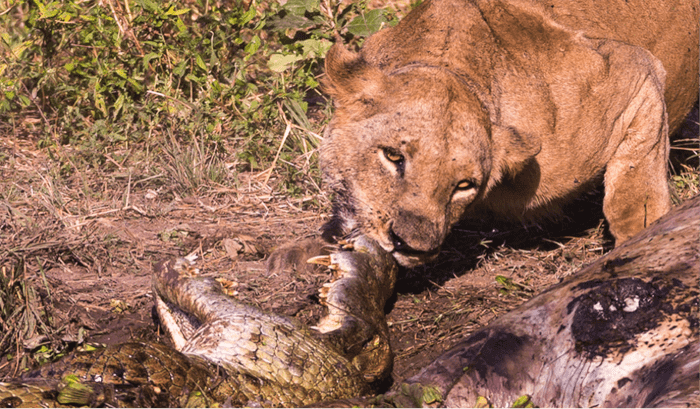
(393, 156)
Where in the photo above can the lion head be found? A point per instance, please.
(408, 151)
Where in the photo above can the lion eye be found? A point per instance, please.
(393, 156)
(465, 185)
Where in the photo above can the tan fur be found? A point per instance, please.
(510, 107)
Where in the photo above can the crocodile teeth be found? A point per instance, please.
(323, 293)
(322, 260)
(346, 245)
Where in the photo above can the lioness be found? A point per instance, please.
(505, 107)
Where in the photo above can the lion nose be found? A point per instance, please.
(398, 242)
(401, 246)
(416, 232)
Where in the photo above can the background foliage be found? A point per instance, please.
(208, 87)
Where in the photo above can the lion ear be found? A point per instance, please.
(350, 77)
(512, 151)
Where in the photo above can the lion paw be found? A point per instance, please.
(293, 256)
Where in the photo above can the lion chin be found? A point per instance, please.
(404, 255)
(414, 260)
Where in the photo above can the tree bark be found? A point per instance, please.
(622, 332)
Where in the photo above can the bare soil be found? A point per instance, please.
(86, 242)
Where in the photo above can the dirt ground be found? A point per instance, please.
(87, 245)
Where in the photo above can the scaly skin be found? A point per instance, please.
(131, 374)
(363, 281)
(226, 352)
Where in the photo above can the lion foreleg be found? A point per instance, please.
(636, 185)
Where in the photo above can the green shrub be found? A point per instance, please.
(108, 75)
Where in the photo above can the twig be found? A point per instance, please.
(284, 139)
(116, 18)
(109, 159)
(187, 104)
(148, 178)
(128, 11)
(37, 105)
(128, 191)
(136, 209)
(127, 31)
(1, 14)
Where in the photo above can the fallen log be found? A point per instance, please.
(622, 332)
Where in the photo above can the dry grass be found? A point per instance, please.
(62, 223)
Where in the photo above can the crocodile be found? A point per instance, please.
(225, 352)
(623, 331)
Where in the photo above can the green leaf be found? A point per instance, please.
(482, 402)
(431, 395)
(147, 59)
(313, 48)
(192, 77)
(100, 104)
(53, 9)
(65, 17)
(260, 25)
(172, 12)
(137, 86)
(74, 392)
(181, 27)
(213, 60)
(368, 23)
(291, 21)
(118, 104)
(252, 47)
(97, 97)
(301, 7)
(200, 62)
(311, 82)
(180, 69)
(523, 402)
(280, 62)
(247, 16)
(298, 112)
(149, 5)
